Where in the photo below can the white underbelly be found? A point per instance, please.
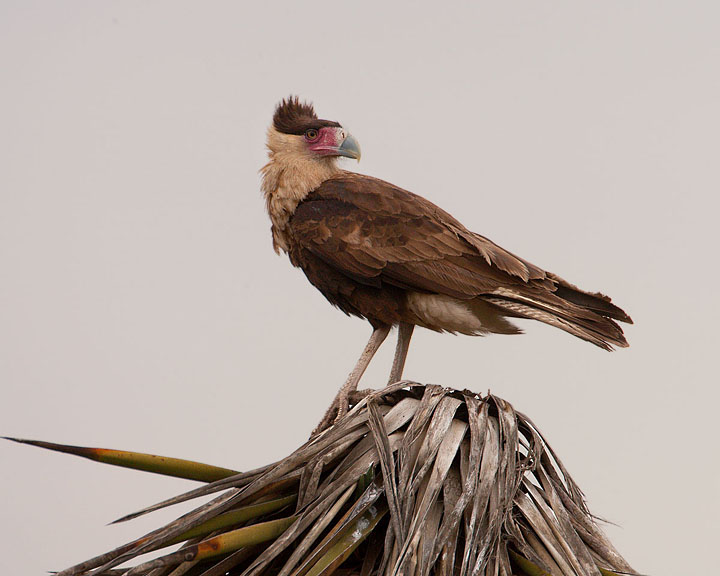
(441, 312)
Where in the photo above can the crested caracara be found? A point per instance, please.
(385, 254)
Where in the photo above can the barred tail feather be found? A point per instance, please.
(594, 301)
(591, 322)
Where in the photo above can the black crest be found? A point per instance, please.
(295, 117)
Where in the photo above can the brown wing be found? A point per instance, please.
(377, 233)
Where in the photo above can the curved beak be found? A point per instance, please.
(350, 148)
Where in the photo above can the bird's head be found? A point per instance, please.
(296, 130)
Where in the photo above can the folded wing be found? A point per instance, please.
(378, 234)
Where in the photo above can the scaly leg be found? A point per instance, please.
(403, 343)
(339, 406)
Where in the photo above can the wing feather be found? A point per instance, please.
(376, 233)
(373, 229)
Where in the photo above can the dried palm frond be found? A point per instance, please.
(414, 480)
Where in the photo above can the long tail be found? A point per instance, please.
(590, 316)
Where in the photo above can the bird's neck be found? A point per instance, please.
(286, 180)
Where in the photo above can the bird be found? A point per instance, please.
(384, 254)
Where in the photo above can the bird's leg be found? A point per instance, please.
(405, 331)
(403, 343)
(339, 406)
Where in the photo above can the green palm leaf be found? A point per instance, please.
(139, 461)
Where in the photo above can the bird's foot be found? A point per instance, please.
(339, 407)
(335, 411)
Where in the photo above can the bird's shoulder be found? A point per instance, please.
(376, 196)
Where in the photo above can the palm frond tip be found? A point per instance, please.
(415, 480)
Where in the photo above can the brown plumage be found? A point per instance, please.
(385, 254)
(295, 117)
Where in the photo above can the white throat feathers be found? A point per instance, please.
(291, 174)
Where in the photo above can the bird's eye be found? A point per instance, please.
(311, 134)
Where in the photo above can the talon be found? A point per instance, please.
(335, 412)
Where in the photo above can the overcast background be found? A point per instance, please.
(142, 306)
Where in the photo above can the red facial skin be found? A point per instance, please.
(327, 142)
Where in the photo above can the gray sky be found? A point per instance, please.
(142, 306)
